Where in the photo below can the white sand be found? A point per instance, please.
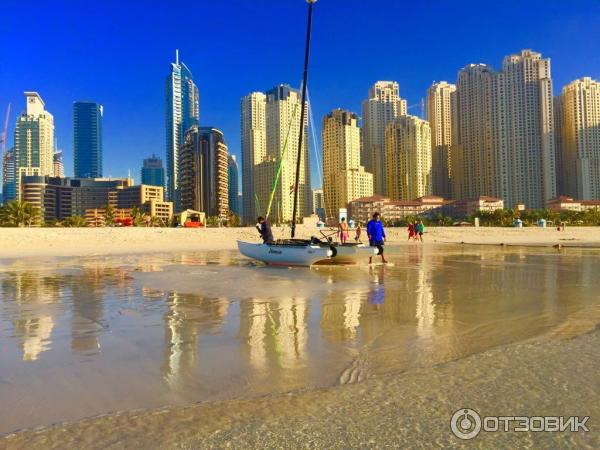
(26, 242)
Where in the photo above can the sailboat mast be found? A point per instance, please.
(302, 113)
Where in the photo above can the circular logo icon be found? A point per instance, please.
(465, 423)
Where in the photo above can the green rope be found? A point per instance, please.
(281, 161)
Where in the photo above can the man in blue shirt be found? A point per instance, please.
(376, 235)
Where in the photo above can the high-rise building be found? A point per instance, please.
(273, 178)
(233, 184)
(58, 164)
(254, 148)
(87, 139)
(9, 182)
(578, 120)
(318, 203)
(202, 179)
(383, 105)
(34, 141)
(182, 113)
(344, 179)
(440, 112)
(153, 172)
(505, 132)
(408, 156)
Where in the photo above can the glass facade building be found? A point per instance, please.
(181, 114)
(233, 185)
(153, 172)
(87, 139)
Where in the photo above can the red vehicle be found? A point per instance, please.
(124, 222)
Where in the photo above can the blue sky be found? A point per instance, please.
(118, 53)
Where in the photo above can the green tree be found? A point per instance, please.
(109, 215)
(18, 213)
(213, 221)
(74, 222)
(233, 220)
(139, 218)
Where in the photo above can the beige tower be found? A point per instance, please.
(579, 116)
(504, 136)
(440, 112)
(383, 105)
(529, 129)
(34, 141)
(476, 152)
(283, 112)
(344, 179)
(408, 158)
(254, 148)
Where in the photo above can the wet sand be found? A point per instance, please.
(330, 357)
(29, 242)
(407, 410)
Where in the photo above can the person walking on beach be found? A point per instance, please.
(420, 230)
(376, 235)
(264, 229)
(358, 232)
(343, 230)
(411, 231)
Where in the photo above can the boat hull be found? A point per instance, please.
(285, 255)
(351, 253)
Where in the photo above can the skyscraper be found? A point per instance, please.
(408, 156)
(58, 164)
(441, 106)
(9, 183)
(383, 105)
(579, 137)
(529, 123)
(182, 113)
(254, 148)
(344, 179)
(202, 179)
(233, 184)
(505, 132)
(273, 177)
(87, 139)
(153, 172)
(318, 204)
(34, 141)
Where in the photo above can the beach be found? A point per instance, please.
(26, 242)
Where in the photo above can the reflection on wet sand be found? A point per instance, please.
(184, 328)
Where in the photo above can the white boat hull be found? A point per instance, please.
(285, 255)
(349, 254)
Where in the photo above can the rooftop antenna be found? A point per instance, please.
(177, 56)
(4, 130)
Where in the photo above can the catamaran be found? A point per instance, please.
(303, 252)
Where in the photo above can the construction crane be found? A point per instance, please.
(421, 104)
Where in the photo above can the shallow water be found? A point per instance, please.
(86, 336)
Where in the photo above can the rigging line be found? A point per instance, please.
(278, 175)
(317, 145)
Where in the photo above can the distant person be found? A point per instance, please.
(411, 231)
(264, 229)
(420, 230)
(376, 235)
(358, 232)
(343, 230)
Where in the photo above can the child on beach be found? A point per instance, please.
(420, 229)
(358, 232)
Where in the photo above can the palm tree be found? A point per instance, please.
(18, 213)
(138, 217)
(75, 221)
(109, 215)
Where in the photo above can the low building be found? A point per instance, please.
(362, 209)
(564, 203)
(468, 207)
(58, 198)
